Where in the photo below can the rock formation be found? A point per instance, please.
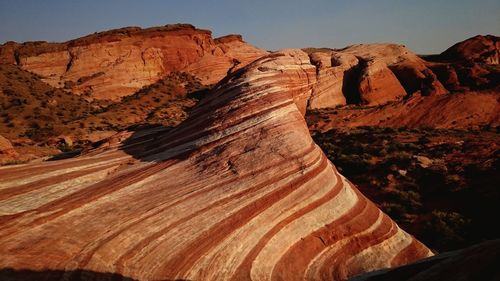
(116, 63)
(7, 151)
(479, 262)
(334, 70)
(411, 70)
(370, 74)
(378, 85)
(478, 49)
(459, 110)
(239, 191)
(472, 64)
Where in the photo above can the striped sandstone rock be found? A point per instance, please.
(239, 191)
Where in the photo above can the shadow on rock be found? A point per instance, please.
(9, 274)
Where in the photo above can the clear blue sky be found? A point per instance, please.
(426, 26)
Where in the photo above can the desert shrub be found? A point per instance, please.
(9, 92)
(394, 210)
(431, 179)
(408, 186)
(401, 159)
(351, 164)
(64, 147)
(16, 102)
(39, 134)
(16, 162)
(410, 199)
(446, 230)
(423, 140)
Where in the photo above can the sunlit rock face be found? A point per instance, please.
(117, 63)
(370, 74)
(410, 70)
(239, 191)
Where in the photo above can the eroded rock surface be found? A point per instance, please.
(478, 262)
(370, 74)
(411, 70)
(116, 63)
(334, 70)
(378, 85)
(239, 191)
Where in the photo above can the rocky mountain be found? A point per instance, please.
(239, 191)
(117, 63)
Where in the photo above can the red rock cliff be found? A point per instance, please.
(116, 63)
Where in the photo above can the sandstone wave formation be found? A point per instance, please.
(449, 266)
(239, 191)
(117, 63)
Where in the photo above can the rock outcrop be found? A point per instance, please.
(378, 85)
(470, 65)
(334, 71)
(116, 63)
(239, 191)
(370, 74)
(478, 49)
(459, 110)
(411, 70)
(7, 151)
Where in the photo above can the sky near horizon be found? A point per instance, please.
(424, 26)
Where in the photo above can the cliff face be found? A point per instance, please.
(117, 63)
(239, 191)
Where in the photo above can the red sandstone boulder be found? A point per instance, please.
(378, 84)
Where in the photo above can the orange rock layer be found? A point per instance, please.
(239, 191)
